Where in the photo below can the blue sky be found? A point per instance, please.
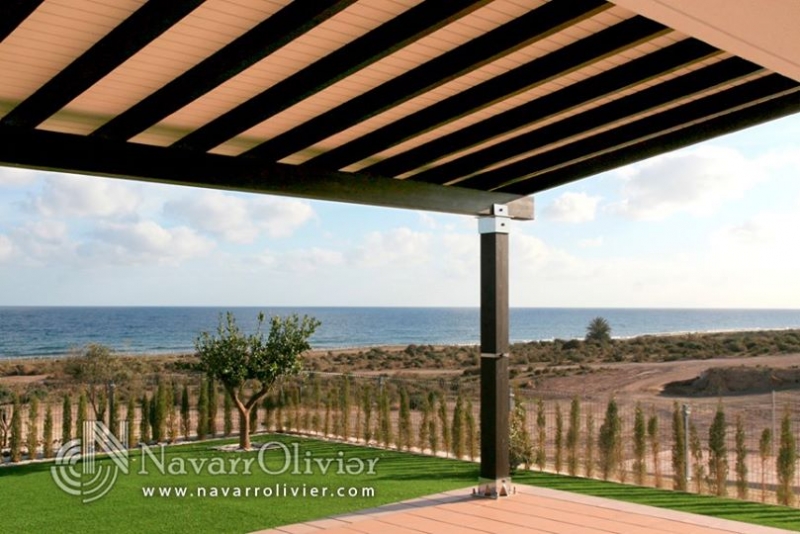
(715, 225)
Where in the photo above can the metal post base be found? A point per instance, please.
(494, 489)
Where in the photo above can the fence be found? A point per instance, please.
(401, 412)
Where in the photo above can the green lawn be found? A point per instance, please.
(33, 503)
(733, 509)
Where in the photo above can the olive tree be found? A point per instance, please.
(236, 359)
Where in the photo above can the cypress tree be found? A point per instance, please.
(433, 432)
(443, 423)
(359, 411)
(718, 453)
(316, 402)
(280, 403)
(227, 414)
(764, 451)
(559, 438)
(573, 436)
(82, 415)
(678, 448)
(786, 461)
(113, 416)
(344, 403)
(15, 441)
(404, 422)
(366, 406)
(131, 417)
(609, 441)
(741, 460)
(33, 427)
(66, 419)
(202, 411)
(186, 415)
(655, 446)
(472, 432)
(47, 438)
(155, 423)
(326, 423)
(458, 427)
(172, 416)
(296, 405)
(213, 403)
(639, 445)
(541, 435)
(521, 448)
(589, 452)
(385, 417)
(696, 450)
(422, 438)
(144, 419)
(291, 408)
(269, 411)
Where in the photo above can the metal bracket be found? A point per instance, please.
(498, 223)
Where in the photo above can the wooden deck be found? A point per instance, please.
(531, 511)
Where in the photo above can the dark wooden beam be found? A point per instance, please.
(421, 20)
(133, 34)
(13, 12)
(619, 78)
(596, 47)
(40, 149)
(265, 38)
(698, 81)
(723, 124)
(520, 32)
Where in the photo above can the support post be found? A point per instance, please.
(495, 394)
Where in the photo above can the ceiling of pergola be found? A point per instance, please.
(450, 106)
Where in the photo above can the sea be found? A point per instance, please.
(57, 331)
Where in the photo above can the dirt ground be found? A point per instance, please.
(646, 381)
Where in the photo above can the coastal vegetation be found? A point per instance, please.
(172, 399)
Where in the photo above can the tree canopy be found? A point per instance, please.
(598, 330)
(236, 359)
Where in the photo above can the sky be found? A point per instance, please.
(712, 226)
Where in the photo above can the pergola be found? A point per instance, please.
(465, 107)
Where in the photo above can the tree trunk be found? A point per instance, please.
(244, 427)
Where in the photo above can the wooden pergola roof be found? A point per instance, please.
(447, 106)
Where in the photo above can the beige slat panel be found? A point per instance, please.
(50, 39)
(208, 28)
(537, 92)
(536, 50)
(627, 120)
(346, 26)
(633, 118)
(451, 36)
(569, 113)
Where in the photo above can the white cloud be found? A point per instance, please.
(310, 260)
(13, 177)
(81, 196)
(697, 181)
(239, 219)
(572, 208)
(145, 242)
(44, 240)
(6, 248)
(595, 242)
(765, 239)
(399, 245)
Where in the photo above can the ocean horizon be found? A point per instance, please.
(52, 331)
